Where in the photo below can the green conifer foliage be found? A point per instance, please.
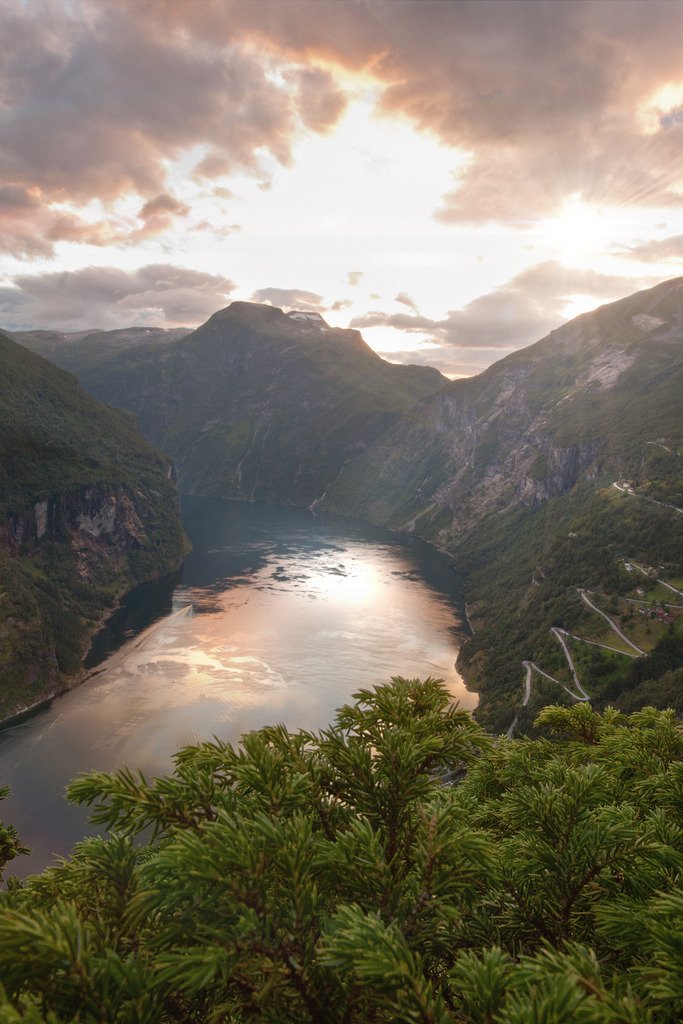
(397, 867)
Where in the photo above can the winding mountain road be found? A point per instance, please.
(559, 635)
(663, 582)
(527, 694)
(530, 667)
(612, 623)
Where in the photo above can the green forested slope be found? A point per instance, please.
(257, 403)
(86, 510)
(497, 470)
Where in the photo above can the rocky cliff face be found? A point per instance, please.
(577, 406)
(87, 510)
(63, 563)
(511, 472)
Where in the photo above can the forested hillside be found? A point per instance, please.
(513, 473)
(87, 509)
(256, 403)
(541, 477)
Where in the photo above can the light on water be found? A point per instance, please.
(278, 616)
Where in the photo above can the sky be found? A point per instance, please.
(453, 178)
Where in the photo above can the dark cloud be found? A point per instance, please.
(96, 99)
(549, 99)
(163, 205)
(516, 314)
(156, 295)
(18, 197)
(29, 227)
(290, 298)
(321, 102)
(662, 250)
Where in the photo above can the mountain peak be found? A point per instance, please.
(255, 313)
(250, 312)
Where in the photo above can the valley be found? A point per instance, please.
(511, 473)
(276, 616)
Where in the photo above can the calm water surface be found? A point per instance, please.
(277, 616)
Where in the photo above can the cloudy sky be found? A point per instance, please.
(455, 178)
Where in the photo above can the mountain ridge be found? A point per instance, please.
(256, 404)
(459, 408)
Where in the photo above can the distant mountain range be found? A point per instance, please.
(256, 403)
(87, 510)
(510, 472)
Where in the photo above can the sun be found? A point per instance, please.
(579, 230)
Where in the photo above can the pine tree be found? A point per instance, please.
(397, 867)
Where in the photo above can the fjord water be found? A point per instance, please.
(278, 615)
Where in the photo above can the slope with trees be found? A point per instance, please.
(511, 472)
(256, 403)
(87, 510)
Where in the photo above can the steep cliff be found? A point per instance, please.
(87, 510)
(580, 404)
(510, 472)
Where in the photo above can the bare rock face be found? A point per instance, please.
(511, 473)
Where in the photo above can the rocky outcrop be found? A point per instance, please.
(64, 562)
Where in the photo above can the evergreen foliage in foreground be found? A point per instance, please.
(333, 878)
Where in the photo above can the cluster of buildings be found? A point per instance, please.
(656, 613)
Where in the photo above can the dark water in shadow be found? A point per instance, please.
(277, 616)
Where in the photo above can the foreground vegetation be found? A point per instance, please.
(336, 878)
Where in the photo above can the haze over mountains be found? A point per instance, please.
(501, 470)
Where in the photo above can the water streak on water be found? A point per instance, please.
(277, 616)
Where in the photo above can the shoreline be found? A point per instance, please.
(72, 682)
